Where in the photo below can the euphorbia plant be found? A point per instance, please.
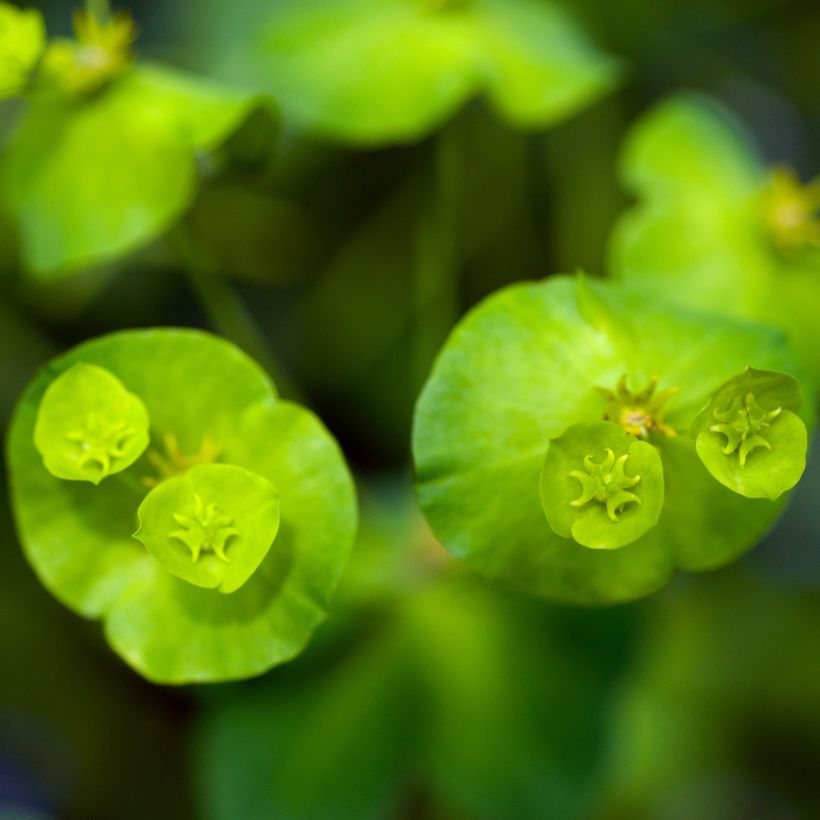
(161, 485)
(376, 71)
(715, 227)
(105, 154)
(580, 440)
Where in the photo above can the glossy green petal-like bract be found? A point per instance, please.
(523, 367)
(208, 402)
(89, 426)
(91, 179)
(601, 456)
(212, 525)
(22, 36)
(749, 435)
(383, 70)
(698, 235)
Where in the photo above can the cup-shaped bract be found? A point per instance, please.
(212, 525)
(89, 426)
(511, 388)
(377, 71)
(22, 35)
(749, 435)
(601, 486)
(714, 228)
(104, 157)
(219, 432)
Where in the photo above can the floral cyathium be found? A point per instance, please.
(607, 483)
(743, 424)
(749, 435)
(173, 461)
(101, 442)
(639, 413)
(205, 529)
(100, 51)
(792, 211)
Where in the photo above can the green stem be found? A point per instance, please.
(224, 308)
(436, 298)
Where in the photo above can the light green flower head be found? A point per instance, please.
(552, 440)
(159, 484)
(376, 71)
(715, 228)
(104, 157)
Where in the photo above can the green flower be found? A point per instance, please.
(22, 35)
(540, 465)
(612, 499)
(89, 426)
(104, 156)
(243, 507)
(715, 228)
(372, 71)
(749, 435)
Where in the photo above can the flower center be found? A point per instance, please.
(100, 50)
(100, 441)
(174, 462)
(607, 483)
(204, 529)
(742, 424)
(638, 413)
(792, 212)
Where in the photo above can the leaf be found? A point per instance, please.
(89, 426)
(523, 367)
(206, 401)
(93, 179)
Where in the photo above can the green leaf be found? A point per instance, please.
(91, 180)
(750, 437)
(601, 486)
(376, 71)
(22, 36)
(212, 525)
(208, 403)
(89, 426)
(531, 361)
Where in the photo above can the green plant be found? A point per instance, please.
(552, 441)
(716, 228)
(149, 471)
(104, 156)
(375, 71)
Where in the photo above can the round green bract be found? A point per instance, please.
(22, 37)
(777, 458)
(92, 179)
(519, 370)
(372, 71)
(212, 525)
(564, 478)
(78, 537)
(697, 235)
(89, 426)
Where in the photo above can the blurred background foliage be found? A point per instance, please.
(428, 694)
